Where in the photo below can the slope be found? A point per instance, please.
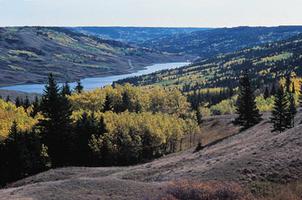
(28, 54)
(266, 63)
(221, 40)
(253, 155)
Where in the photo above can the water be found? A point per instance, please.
(93, 83)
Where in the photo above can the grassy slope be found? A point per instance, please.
(265, 62)
(251, 156)
(28, 54)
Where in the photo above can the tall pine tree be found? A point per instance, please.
(280, 111)
(56, 124)
(248, 113)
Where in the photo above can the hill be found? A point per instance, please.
(254, 156)
(135, 35)
(29, 54)
(266, 63)
(208, 43)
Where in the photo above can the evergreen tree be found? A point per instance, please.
(36, 107)
(56, 124)
(266, 93)
(7, 98)
(248, 113)
(280, 111)
(273, 90)
(21, 155)
(79, 88)
(66, 89)
(108, 105)
(18, 102)
(26, 103)
(86, 126)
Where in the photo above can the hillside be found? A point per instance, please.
(205, 44)
(134, 35)
(255, 155)
(29, 54)
(265, 63)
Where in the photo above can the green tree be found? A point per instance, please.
(56, 124)
(21, 155)
(248, 113)
(79, 88)
(266, 93)
(35, 107)
(280, 111)
(26, 103)
(18, 102)
(66, 89)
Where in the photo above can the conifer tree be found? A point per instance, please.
(266, 93)
(26, 103)
(56, 125)
(248, 113)
(36, 107)
(79, 88)
(273, 90)
(66, 89)
(7, 98)
(280, 111)
(18, 102)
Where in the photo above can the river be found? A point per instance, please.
(97, 82)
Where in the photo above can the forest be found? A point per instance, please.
(120, 125)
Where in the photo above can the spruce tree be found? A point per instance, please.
(266, 93)
(18, 102)
(56, 124)
(26, 103)
(79, 88)
(36, 107)
(248, 113)
(280, 111)
(66, 89)
(273, 90)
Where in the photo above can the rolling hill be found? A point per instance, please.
(254, 156)
(135, 35)
(29, 54)
(208, 43)
(266, 63)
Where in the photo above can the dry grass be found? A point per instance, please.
(273, 191)
(185, 190)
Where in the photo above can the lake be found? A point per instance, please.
(97, 82)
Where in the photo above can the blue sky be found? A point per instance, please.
(188, 13)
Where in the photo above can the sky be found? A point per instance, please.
(151, 13)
